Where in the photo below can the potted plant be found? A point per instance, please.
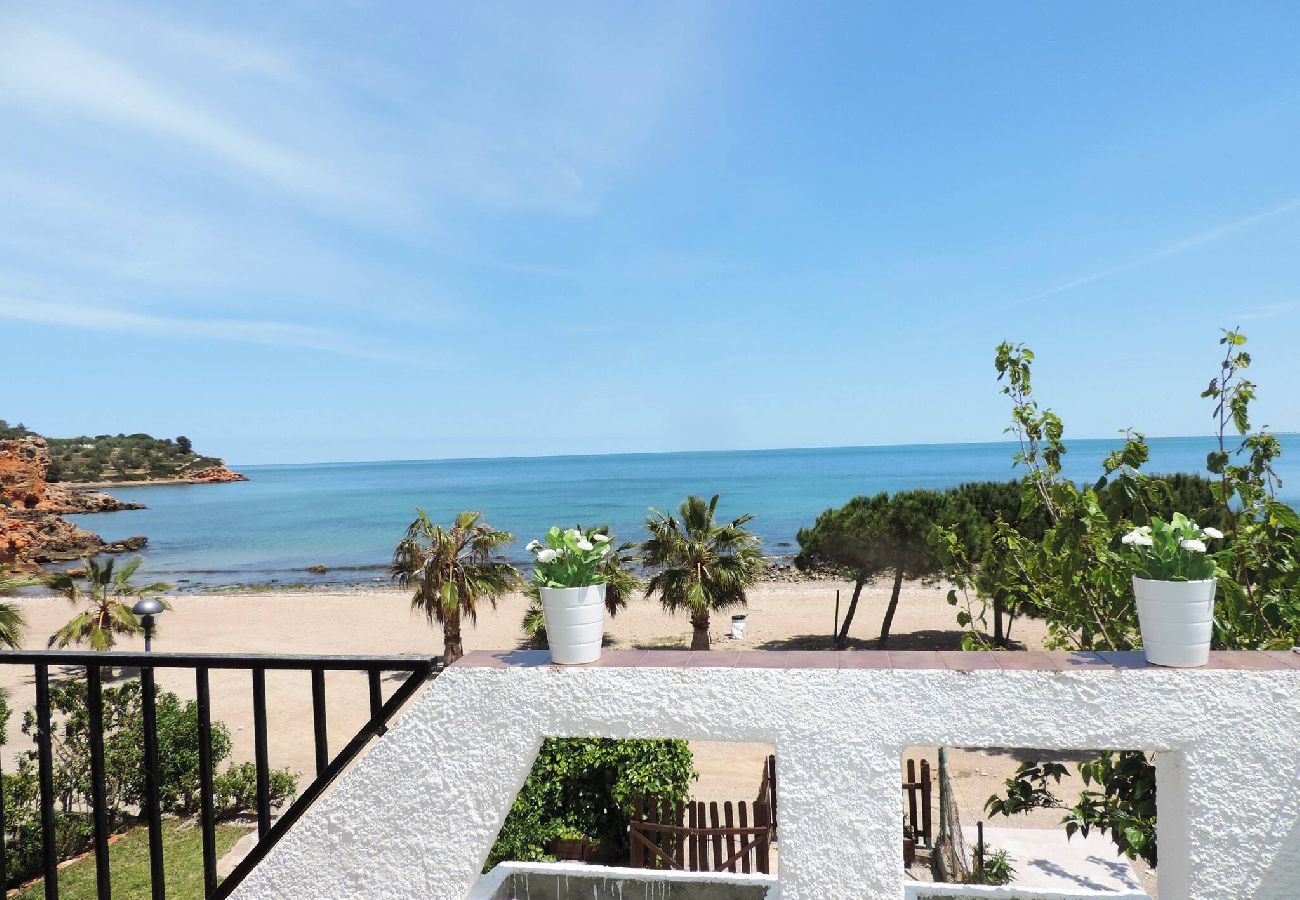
(1174, 582)
(571, 845)
(568, 574)
(909, 842)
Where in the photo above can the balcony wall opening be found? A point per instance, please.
(660, 815)
(1016, 817)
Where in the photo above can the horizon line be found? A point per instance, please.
(714, 451)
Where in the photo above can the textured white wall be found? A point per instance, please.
(416, 817)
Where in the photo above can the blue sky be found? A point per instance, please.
(302, 231)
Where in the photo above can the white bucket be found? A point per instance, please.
(738, 626)
(575, 623)
(1177, 619)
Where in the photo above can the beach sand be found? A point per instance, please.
(781, 616)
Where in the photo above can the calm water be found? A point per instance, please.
(347, 516)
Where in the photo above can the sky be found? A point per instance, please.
(301, 232)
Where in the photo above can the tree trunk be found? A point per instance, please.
(999, 639)
(700, 622)
(452, 648)
(948, 859)
(843, 637)
(893, 607)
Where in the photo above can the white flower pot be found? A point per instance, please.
(575, 623)
(1176, 618)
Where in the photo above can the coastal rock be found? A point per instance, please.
(216, 475)
(784, 571)
(32, 532)
(126, 545)
(49, 538)
(69, 501)
(23, 466)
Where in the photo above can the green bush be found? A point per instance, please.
(178, 764)
(588, 786)
(236, 788)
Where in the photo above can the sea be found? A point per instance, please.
(288, 520)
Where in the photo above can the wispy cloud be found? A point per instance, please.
(175, 166)
(275, 334)
(55, 72)
(1270, 311)
(1197, 240)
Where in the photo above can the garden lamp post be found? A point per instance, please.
(146, 609)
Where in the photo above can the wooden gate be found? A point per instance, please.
(917, 792)
(679, 836)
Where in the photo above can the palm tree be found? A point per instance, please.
(619, 570)
(451, 570)
(703, 566)
(12, 623)
(107, 593)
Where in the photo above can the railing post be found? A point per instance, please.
(207, 815)
(99, 802)
(376, 699)
(45, 762)
(319, 725)
(153, 809)
(260, 755)
(4, 869)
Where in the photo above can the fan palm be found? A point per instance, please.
(107, 593)
(618, 569)
(703, 566)
(12, 623)
(451, 570)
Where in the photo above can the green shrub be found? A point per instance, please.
(178, 764)
(236, 788)
(587, 786)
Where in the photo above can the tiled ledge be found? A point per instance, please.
(956, 661)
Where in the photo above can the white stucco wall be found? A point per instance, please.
(416, 817)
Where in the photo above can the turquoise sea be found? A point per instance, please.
(348, 516)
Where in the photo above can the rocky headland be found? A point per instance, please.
(33, 531)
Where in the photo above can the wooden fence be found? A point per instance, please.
(767, 790)
(680, 836)
(917, 792)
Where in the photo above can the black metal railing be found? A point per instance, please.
(418, 670)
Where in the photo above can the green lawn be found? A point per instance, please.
(129, 861)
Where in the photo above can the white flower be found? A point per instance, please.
(533, 545)
(1194, 546)
(547, 555)
(1137, 537)
(604, 538)
(1213, 533)
(585, 545)
(574, 533)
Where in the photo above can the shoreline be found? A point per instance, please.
(150, 482)
(780, 572)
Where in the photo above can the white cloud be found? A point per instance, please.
(1270, 311)
(1196, 240)
(223, 173)
(276, 334)
(51, 72)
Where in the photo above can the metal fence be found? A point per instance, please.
(418, 670)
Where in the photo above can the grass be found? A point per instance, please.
(129, 864)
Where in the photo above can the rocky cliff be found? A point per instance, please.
(32, 530)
